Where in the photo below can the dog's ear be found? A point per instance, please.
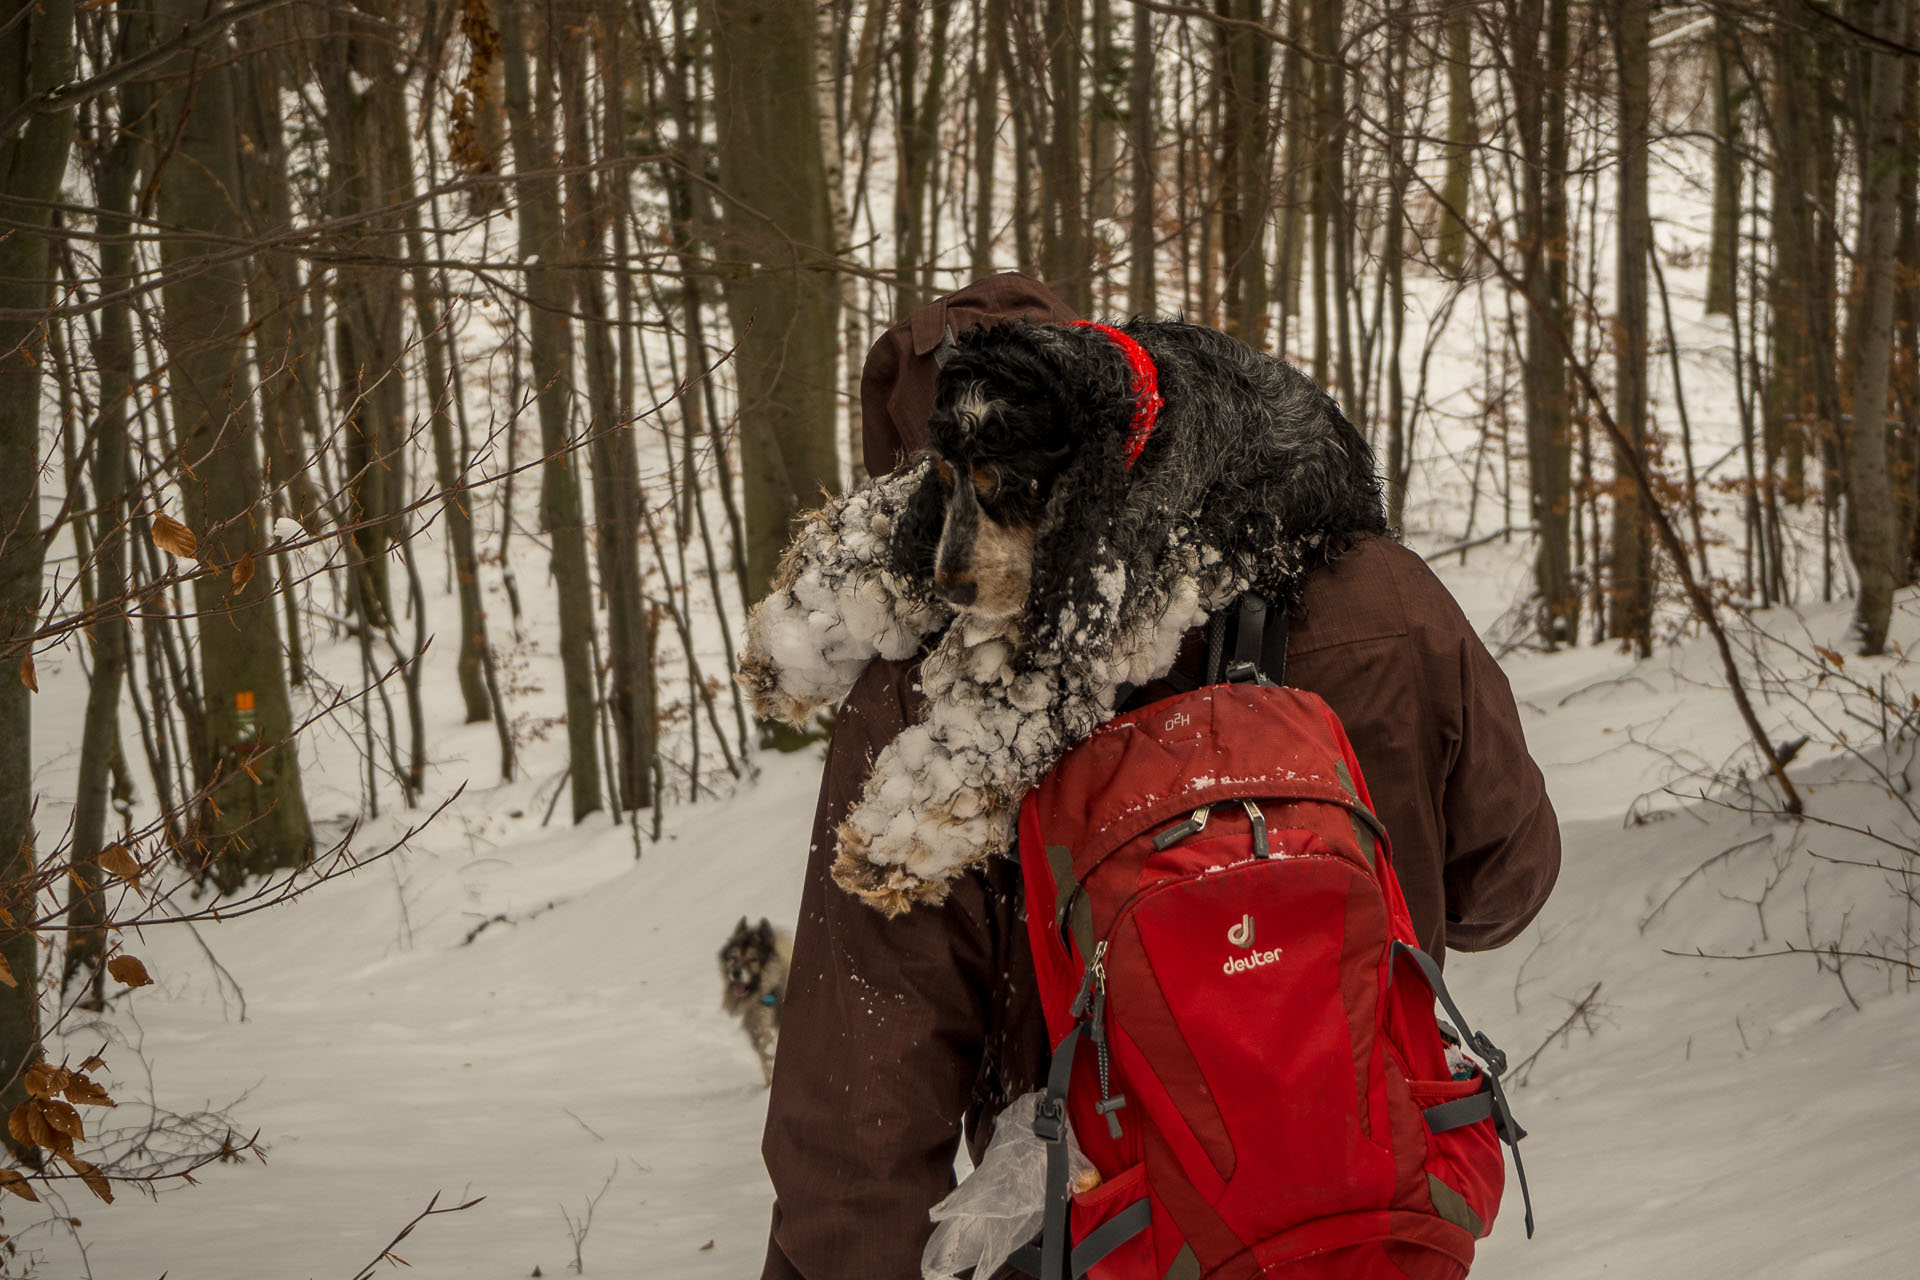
(765, 930)
(1078, 538)
(916, 529)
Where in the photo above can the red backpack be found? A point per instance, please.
(1263, 1087)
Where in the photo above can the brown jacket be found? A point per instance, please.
(899, 1033)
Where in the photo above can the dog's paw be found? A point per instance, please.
(759, 676)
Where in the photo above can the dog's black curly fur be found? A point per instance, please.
(1248, 454)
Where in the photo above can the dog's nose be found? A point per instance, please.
(954, 589)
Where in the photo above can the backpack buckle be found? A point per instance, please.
(1049, 1120)
(1489, 1053)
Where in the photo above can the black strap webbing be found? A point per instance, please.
(1259, 645)
(1273, 658)
(1509, 1130)
(1100, 1241)
(1216, 648)
(1459, 1113)
(1050, 1124)
(1248, 637)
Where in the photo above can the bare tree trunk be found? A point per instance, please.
(1066, 255)
(1246, 58)
(549, 296)
(1540, 43)
(1456, 191)
(1296, 108)
(773, 225)
(615, 461)
(450, 466)
(1801, 406)
(360, 81)
(1630, 600)
(114, 173)
(255, 818)
(1141, 283)
(1870, 519)
(986, 139)
(841, 223)
(1330, 21)
(36, 56)
(1398, 446)
(1723, 250)
(1029, 150)
(285, 341)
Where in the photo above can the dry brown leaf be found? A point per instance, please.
(85, 1092)
(6, 973)
(27, 677)
(115, 860)
(39, 1132)
(64, 1120)
(703, 1248)
(243, 572)
(1831, 657)
(16, 1182)
(129, 970)
(95, 1180)
(44, 1079)
(93, 1063)
(174, 538)
(18, 1124)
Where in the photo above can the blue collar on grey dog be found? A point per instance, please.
(770, 998)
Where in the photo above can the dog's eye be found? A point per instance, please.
(986, 481)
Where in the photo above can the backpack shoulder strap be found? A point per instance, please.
(1259, 645)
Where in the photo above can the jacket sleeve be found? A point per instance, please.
(1502, 838)
(881, 1040)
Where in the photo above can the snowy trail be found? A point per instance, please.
(1719, 1119)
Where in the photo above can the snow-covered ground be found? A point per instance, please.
(1701, 1118)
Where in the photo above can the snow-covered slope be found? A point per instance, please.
(1700, 1118)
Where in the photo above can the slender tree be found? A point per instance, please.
(1246, 59)
(1630, 593)
(36, 56)
(254, 818)
(1870, 517)
(1456, 191)
(531, 126)
(773, 228)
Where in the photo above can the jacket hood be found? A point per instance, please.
(896, 386)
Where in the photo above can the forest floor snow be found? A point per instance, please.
(1692, 1117)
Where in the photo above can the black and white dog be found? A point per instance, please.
(1090, 493)
(753, 964)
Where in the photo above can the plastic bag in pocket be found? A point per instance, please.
(1000, 1205)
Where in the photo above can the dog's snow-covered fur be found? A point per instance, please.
(753, 966)
(1251, 477)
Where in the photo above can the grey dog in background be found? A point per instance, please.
(753, 965)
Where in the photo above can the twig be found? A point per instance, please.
(1688, 878)
(1464, 547)
(1582, 1011)
(388, 1256)
(1817, 953)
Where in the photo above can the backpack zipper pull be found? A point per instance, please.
(1193, 826)
(1096, 972)
(1109, 1101)
(1259, 821)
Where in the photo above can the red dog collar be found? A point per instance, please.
(1146, 387)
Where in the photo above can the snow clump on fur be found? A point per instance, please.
(836, 604)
